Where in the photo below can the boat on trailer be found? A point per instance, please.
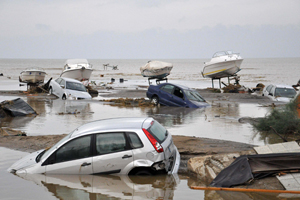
(34, 75)
(156, 70)
(79, 69)
(223, 64)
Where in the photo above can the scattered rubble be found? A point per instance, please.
(129, 102)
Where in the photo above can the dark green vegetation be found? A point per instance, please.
(284, 122)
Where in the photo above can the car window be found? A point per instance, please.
(158, 131)
(63, 82)
(75, 86)
(135, 141)
(75, 149)
(272, 90)
(193, 96)
(58, 80)
(269, 88)
(167, 88)
(110, 143)
(178, 92)
(285, 92)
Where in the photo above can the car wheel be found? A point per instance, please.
(143, 173)
(50, 90)
(155, 100)
(64, 97)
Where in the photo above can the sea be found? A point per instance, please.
(185, 71)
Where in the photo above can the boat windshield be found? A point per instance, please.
(75, 86)
(285, 92)
(193, 95)
(223, 53)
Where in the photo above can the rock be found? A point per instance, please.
(208, 167)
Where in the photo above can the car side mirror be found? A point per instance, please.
(271, 94)
(62, 86)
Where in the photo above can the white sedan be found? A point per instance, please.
(67, 88)
(283, 93)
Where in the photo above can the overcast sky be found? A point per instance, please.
(148, 29)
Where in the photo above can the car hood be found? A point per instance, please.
(198, 104)
(79, 94)
(24, 162)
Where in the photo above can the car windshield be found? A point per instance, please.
(47, 152)
(285, 92)
(158, 131)
(75, 86)
(193, 95)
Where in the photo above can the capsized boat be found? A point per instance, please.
(223, 64)
(33, 75)
(79, 69)
(156, 69)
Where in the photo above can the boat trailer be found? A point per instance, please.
(235, 77)
(157, 80)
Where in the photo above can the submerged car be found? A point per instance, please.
(133, 146)
(283, 93)
(67, 88)
(175, 95)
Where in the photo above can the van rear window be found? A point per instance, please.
(158, 131)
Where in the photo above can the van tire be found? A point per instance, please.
(64, 97)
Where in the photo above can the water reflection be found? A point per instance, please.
(16, 122)
(172, 116)
(107, 187)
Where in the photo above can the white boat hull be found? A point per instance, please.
(32, 77)
(222, 69)
(80, 74)
(156, 69)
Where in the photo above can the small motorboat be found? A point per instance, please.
(223, 64)
(79, 69)
(156, 69)
(34, 75)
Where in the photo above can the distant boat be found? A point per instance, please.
(223, 64)
(79, 69)
(33, 75)
(156, 69)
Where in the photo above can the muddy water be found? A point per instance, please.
(219, 121)
(56, 116)
(74, 187)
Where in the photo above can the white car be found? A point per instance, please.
(67, 88)
(133, 146)
(283, 93)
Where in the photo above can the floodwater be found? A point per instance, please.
(65, 187)
(56, 116)
(220, 121)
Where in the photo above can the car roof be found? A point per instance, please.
(70, 79)
(282, 86)
(180, 86)
(111, 124)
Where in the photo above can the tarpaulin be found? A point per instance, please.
(248, 167)
(16, 107)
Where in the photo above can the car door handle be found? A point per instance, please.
(126, 156)
(85, 164)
